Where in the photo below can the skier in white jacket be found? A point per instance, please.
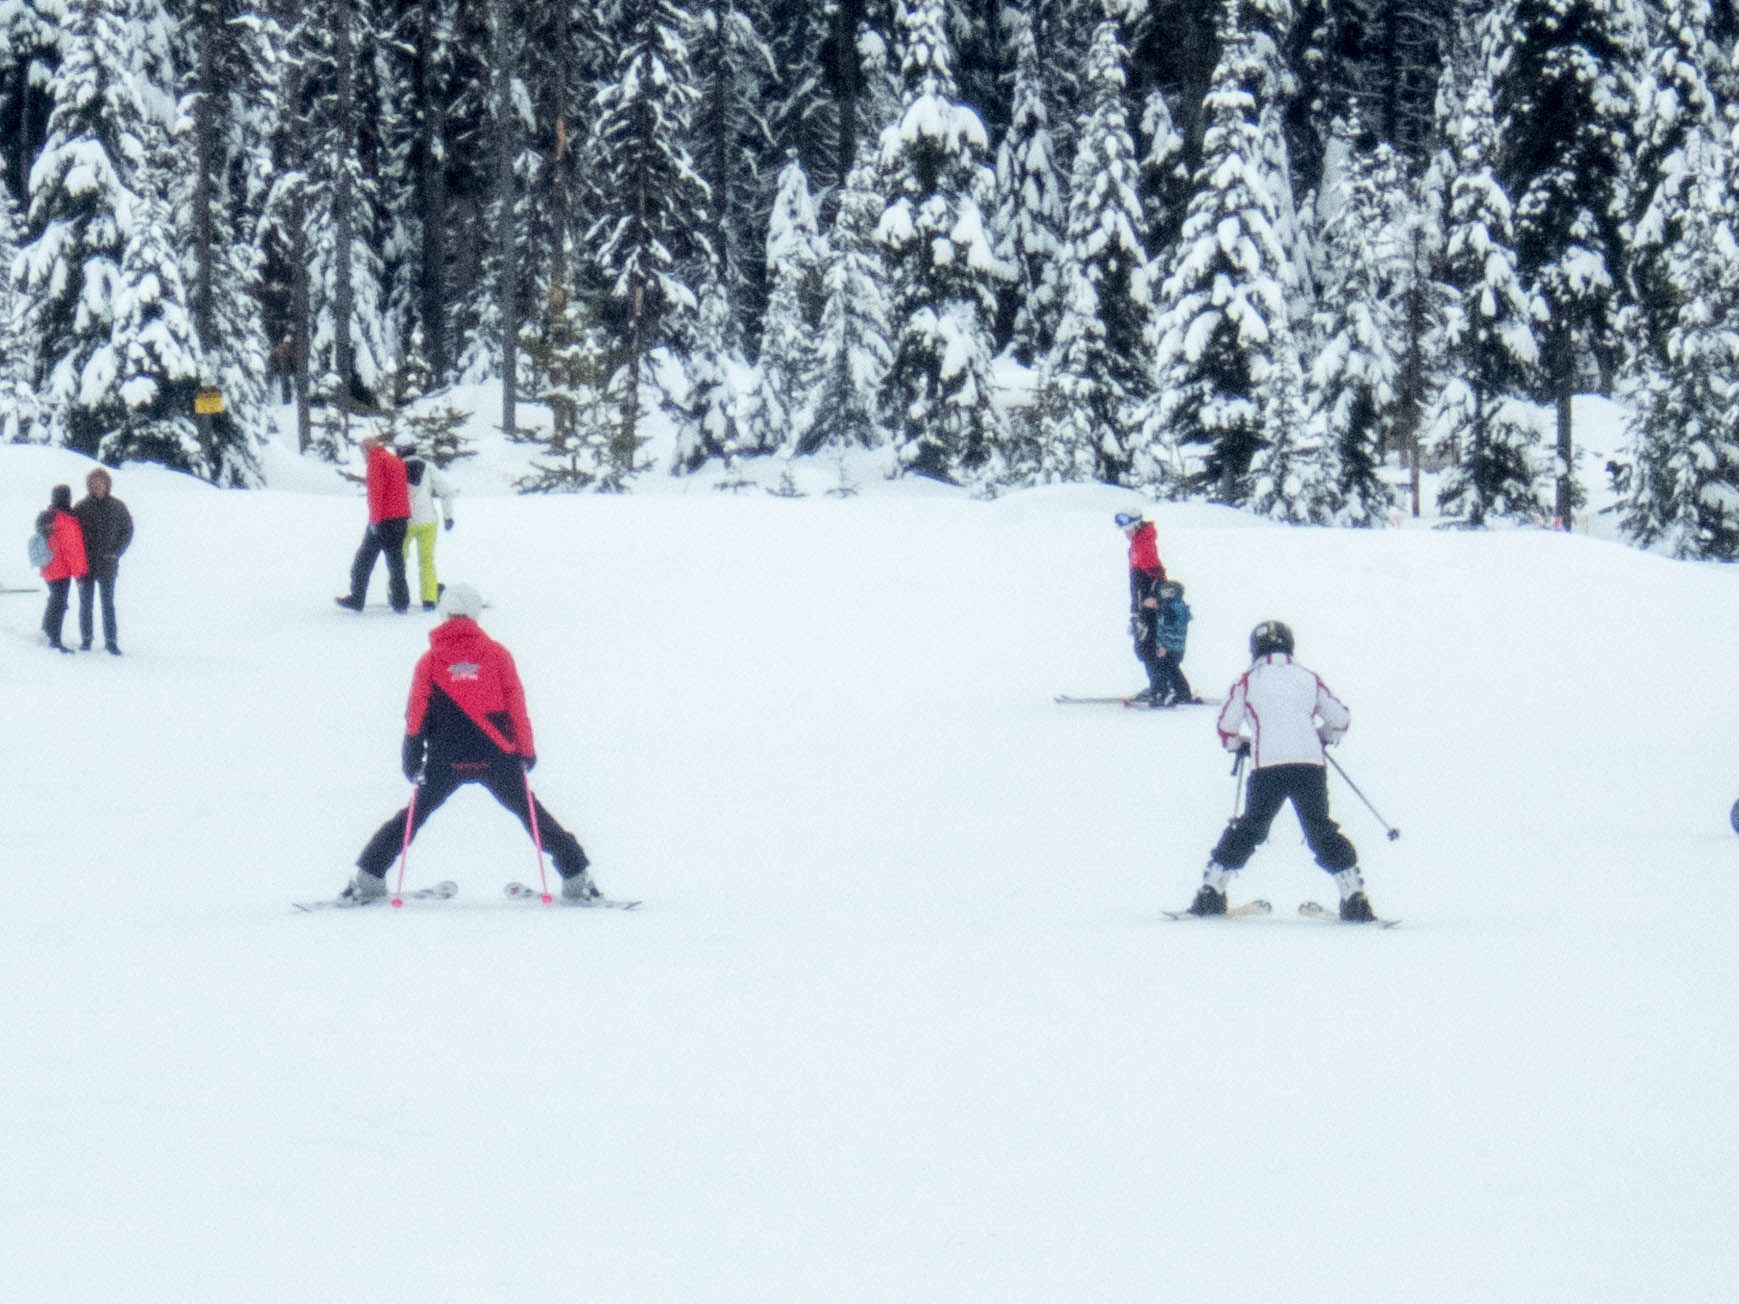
(1282, 716)
(427, 485)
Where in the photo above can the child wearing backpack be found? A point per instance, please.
(66, 563)
(1173, 620)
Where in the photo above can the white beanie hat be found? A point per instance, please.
(461, 600)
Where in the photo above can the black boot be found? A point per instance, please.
(1209, 901)
(1356, 909)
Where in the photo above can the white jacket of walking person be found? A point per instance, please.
(425, 490)
(1288, 712)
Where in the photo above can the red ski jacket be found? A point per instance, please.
(466, 669)
(68, 542)
(389, 495)
(1144, 551)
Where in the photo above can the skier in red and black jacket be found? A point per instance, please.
(466, 723)
(389, 515)
(1146, 574)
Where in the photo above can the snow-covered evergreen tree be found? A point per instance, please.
(231, 107)
(1677, 118)
(1096, 375)
(647, 233)
(938, 396)
(734, 71)
(1565, 75)
(1359, 331)
(582, 373)
(854, 348)
(18, 409)
(1682, 395)
(1225, 363)
(116, 349)
(349, 350)
(1165, 178)
(1488, 332)
(1029, 208)
(711, 424)
(782, 411)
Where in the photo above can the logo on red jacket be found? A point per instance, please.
(465, 670)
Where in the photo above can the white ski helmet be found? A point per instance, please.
(460, 600)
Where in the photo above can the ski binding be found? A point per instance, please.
(1311, 910)
(525, 892)
(1243, 910)
(443, 891)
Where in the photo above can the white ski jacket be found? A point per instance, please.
(1282, 704)
(430, 486)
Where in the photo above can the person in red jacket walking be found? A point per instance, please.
(466, 723)
(1146, 574)
(389, 513)
(67, 541)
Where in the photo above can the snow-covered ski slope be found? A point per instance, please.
(900, 1019)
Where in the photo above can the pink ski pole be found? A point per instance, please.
(398, 895)
(537, 840)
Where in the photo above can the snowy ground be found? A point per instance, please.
(899, 1019)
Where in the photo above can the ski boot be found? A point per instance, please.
(1356, 909)
(579, 888)
(365, 887)
(1209, 901)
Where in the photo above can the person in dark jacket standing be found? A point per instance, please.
(67, 542)
(389, 513)
(108, 529)
(1146, 574)
(466, 722)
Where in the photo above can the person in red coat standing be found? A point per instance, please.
(389, 513)
(67, 541)
(1146, 574)
(466, 722)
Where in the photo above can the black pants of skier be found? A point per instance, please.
(101, 586)
(1173, 687)
(1306, 786)
(54, 615)
(1144, 626)
(505, 780)
(382, 538)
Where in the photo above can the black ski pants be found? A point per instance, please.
(103, 582)
(504, 778)
(382, 537)
(54, 615)
(1271, 787)
(1172, 684)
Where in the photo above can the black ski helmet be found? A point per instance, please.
(1270, 636)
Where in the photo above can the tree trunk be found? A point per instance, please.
(343, 220)
(504, 206)
(204, 253)
(432, 182)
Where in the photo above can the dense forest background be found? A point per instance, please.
(1258, 251)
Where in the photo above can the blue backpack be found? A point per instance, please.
(41, 551)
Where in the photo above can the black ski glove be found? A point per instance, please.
(449, 524)
(529, 762)
(411, 757)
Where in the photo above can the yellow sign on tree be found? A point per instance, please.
(208, 401)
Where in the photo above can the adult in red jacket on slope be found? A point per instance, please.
(466, 723)
(61, 528)
(1146, 574)
(389, 514)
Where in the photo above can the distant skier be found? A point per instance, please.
(108, 530)
(1173, 634)
(389, 511)
(466, 723)
(1291, 717)
(66, 563)
(427, 486)
(1146, 574)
